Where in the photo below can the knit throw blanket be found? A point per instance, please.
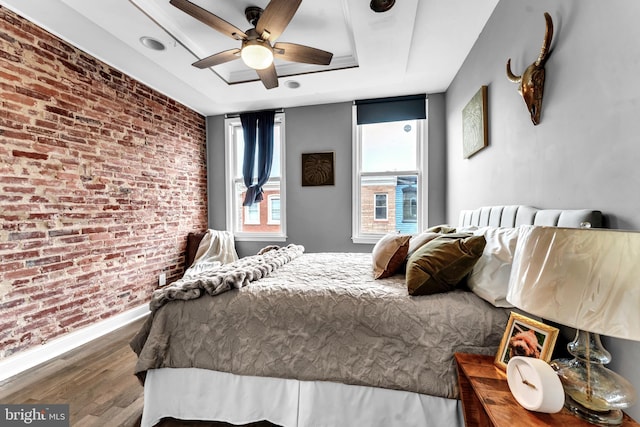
(227, 276)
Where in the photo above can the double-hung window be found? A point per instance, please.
(264, 221)
(274, 209)
(389, 164)
(381, 207)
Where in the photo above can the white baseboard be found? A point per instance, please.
(27, 359)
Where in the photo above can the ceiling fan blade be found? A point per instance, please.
(217, 58)
(210, 19)
(299, 53)
(276, 17)
(269, 77)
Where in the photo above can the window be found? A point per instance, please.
(380, 213)
(264, 221)
(274, 209)
(252, 214)
(409, 200)
(388, 175)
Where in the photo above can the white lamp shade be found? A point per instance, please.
(256, 55)
(587, 279)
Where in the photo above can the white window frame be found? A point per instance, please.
(270, 219)
(247, 217)
(422, 162)
(375, 207)
(410, 207)
(231, 126)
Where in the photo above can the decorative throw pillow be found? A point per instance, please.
(442, 229)
(389, 254)
(193, 242)
(419, 240)
(439, 265)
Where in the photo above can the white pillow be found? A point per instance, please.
(489, 278)
(469, 229)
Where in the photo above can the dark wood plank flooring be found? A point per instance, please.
(97, 382)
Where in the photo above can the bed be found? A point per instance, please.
(315, 339)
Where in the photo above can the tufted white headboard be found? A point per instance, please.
(515, 215)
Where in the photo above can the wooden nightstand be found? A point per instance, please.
(487, 400)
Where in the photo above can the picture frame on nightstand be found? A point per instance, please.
(527, 337)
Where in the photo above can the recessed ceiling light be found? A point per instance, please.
(292, 84)
(151, 43)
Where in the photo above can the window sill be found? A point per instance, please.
(366, 240)
(260, 238)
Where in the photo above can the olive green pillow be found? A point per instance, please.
(442, 229)
(439, 265)
(419, 240)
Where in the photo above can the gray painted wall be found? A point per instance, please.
(586, 150)
(436, 159)
(320, 217)
(215, 173)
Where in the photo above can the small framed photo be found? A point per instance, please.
(526, 337)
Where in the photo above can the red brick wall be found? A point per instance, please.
(367, 203)
(264, 226)
(101, 179)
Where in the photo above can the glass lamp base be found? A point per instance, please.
(593, 392)
(606, 418)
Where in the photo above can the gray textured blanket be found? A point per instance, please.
(323, 317)
(225, 277)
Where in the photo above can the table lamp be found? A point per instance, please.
(588, 279)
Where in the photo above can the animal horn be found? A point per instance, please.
(510, 75)
(548, 35)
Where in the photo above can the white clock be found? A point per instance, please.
(534, 384)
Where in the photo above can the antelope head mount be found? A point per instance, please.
(531, 82)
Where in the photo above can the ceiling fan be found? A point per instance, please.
(257, 50)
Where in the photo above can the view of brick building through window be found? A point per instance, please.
(388, 187)
(265, 219)
(389, 204)
(264, 216)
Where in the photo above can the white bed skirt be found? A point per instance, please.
(199, 394)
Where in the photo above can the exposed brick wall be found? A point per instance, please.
(101, 179)
(367, 205)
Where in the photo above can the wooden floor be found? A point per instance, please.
(97, 382)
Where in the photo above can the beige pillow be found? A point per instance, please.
(439, 265)
(389, 254)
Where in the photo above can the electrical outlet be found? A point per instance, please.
(162, 279)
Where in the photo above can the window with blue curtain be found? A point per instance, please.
(258, 152)
(260, 221)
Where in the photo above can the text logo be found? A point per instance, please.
(34, 415)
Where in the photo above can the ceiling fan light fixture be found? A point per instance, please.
(258, 43)
(256, 54)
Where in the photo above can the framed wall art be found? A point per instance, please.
(318, 169)
(526, 337)
(475, 129)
